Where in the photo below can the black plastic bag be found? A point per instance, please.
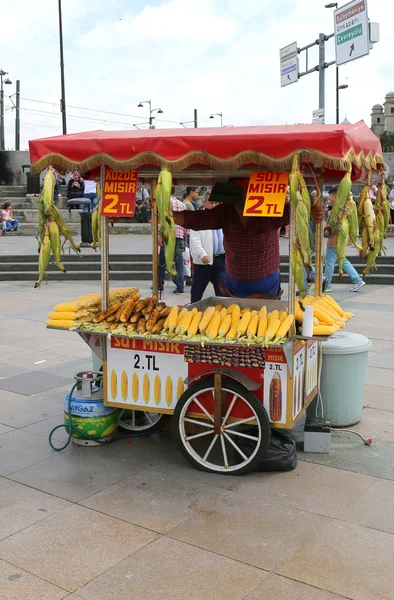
(281, 454)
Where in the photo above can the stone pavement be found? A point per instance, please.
(135, 520)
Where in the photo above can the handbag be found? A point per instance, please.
(187, 267)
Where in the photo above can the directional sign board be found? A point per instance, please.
(288, 64)
(351, 31)
(318, 116)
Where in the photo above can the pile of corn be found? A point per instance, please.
(374, 222)
(328, 315)
(82, 311)
(228, 325)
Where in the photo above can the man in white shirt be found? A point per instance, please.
(90, 192)
(142, 202)
(206, 248)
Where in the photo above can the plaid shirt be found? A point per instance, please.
(252, 252)
(178, 206)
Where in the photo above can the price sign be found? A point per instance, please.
(298, 377)
(266, 194)
(145, 373)
(275, 384)
(119, 193)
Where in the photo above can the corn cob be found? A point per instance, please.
(253, 324)
(231, 308)
(225, 326)
(164, 312)
(233, 331)
(244, 323)
(272, 328)
(146, 388)
(135, 386)
(352, 217)
(141, 304)
(360, 207)
(275, 398)
(273, 315)
(181, 314)
(54, 237)
(322, 315)
(284, 328)
(113, 326)
(135, 318)
(124, 385)
(335, 304)
(141, 325)
(342, 241)
(67, 316)
(107, 313)
(282, 315)
(158, 326)
(348, 315)
(342, 194)
(324, 329)
(262, 328)
(172, 319)
(298, 270)
(185, 323)
(213, 327)
(218, 307)
(235, 315)
(114, 384)
(150, 306)
(263, 312)
(63, 323)
(131, 327)
(127, 307)
(95, 235)
(223, 314)
(152, 320)
(45, 253)
(302, 221)
(207, 316)
(66, 307)
(162, 305)
(193, 327)
(168, 390)
(157, 390)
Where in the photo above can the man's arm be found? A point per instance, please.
(201, 219)
(196, 248)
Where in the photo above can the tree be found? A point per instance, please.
(387, 140)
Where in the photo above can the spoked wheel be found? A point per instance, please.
(245, 429)
(136, 421)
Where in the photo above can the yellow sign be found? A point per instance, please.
(266, 194)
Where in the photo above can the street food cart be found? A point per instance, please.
(224, 397)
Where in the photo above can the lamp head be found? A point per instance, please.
(342, 87)
(140, 105)
(331, 5)
(211, 117)
(7, 81)
(159, 112)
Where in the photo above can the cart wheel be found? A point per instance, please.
(241, 443)
(136, 421)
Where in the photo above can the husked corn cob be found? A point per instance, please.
(172, 319)
(334, 304)
(114, 384)
(223, 314)
(128, 308)
(282, 315)
(158, 326)
(185, 323)
(324, 329)
(114, 326)
(131, 327)
(62, 323)
(348, 315)
(213, 327)
(107, 313)
(110, 319)
(207, 316)
(322, 315)
(273, 315)
(164, 312)
(162, 305)
(146, 388)
(66, 307)
(284, 328)
(124, 385)
(218, 307)
(180, 315)
(141, 325)
(244, 323)
(67, 316)
(224, 326)
(231, 308)
(253, 324)
(262, 328)
(157, 390)
(193, 327)
(273, 326)
(233, 331)
(235, 315)
(263, 312)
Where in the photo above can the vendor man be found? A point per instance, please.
(251, 244)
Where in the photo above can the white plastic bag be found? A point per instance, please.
(187, 267)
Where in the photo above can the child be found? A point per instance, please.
(9, 223)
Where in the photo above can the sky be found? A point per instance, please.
(216, 56)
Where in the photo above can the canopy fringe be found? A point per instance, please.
(247, 157)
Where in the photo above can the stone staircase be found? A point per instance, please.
(123, 267)
(25, 210)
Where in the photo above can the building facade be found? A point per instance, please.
(382, 117)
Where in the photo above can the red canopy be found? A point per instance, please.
(336, 147)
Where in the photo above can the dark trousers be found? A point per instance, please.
(142, 213)
(204, 274)
(162, 267)
(178, 259)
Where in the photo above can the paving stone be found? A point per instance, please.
(17, 584)
(31, 383)
(19, 449)
(17, 410)
(280, 588)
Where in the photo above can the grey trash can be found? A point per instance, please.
(86, 228)
(342, 383)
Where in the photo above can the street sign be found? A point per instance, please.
(288, 64)
(318, 116)
(351, 31)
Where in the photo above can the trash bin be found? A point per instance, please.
(342, 383)
(32, 183)
(86, 228)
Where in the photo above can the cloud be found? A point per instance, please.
(214, 55)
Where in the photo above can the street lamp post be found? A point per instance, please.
(3, 81)
(151, 110)
(63, 88)
(337, 86)
(213, 115)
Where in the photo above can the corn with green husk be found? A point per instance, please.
(374, 252)
(167, 224)
(352, 218)
(96, 220)
(45, 253)
(341, 197)
(54, 237)
(360, 207)
(342, 241)
(302, 224)
(298, 270)
(368, 219)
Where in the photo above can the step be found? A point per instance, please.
(79, 275)
(87, 254)
(30, 228)
(12, 194)
(373, 279)
(82, 265)
(382, 267)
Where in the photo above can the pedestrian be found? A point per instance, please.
(332, 257)
(190, 198)
(90, 192)
(142, 202)
(59, 180)
(180, 235)
(9, 222)
(391, 200)
(206, 248)
(75, 186)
